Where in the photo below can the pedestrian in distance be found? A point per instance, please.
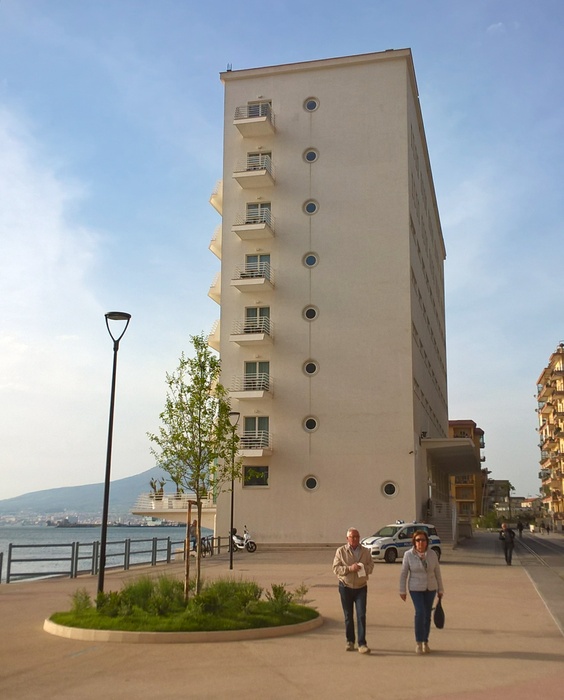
(520, 527)
(421, 576)
(353, 565)
(507, 536)
(193, 534)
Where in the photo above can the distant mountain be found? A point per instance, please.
(84, 500)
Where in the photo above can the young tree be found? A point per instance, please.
(195, 441)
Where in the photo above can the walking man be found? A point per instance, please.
(507, 536)
(353, 565)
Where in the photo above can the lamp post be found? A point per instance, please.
(233, 420)
(110, 316)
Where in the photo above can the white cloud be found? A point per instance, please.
(497, 28)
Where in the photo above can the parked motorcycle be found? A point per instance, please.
(244, 541)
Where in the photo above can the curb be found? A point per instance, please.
(90, 635)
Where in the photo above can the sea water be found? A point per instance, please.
(56, 543)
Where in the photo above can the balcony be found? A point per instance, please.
(253, 277)
(252, 331)
(255, 444)
(255, 172)
(215, 289)
(216, 241)
(213, 337)
(251, 386)
(216, 199)
(255, 120)
(254, 226)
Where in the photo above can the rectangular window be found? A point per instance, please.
(255, 476)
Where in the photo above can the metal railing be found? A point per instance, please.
(254, 270)
(262, 216)
(255, 440)
(259, 109)
(255, 162)
(75, 558)
(252, 325)
(252, 382)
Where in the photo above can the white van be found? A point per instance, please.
(391, 541)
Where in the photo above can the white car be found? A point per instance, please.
(391, 541)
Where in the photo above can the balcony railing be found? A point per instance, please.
(254, 225)
(259, 440)
(262, 216)
(260, 109)
(252, 325)
(256, 171)
(253, 270)
(255, 119)
(216, 199)
(252, 382)
(215, 243)
(214, 336)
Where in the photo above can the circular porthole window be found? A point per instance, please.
(311, 155)
(310, 260)
(310, 313)
(311, 368)
(310, 424)
(311, 483)
(311, 207)
(311, 104)
(389, 489)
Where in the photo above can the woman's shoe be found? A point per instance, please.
(426, 648)
(419, 648)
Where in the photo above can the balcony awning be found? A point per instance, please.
(455, 456)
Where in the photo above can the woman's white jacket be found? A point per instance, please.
(415, 576)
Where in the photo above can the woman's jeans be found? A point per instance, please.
(423, 604)
(354, 598)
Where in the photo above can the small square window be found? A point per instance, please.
(255, 476)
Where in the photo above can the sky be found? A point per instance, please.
(111, 118)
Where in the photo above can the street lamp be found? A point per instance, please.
(111, 316)
(234, 421)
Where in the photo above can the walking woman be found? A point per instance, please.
(421, 575)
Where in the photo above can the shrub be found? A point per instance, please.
(280, 599)
(81, 601)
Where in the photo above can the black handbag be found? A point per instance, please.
(439, 616)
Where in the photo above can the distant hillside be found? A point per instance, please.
(86, 500)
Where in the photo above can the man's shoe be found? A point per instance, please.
(350, 646)
(426, 648)
(364, 649)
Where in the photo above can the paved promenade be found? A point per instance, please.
(500, 640)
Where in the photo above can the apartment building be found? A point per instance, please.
(468, 490)
(331, 294)
(550, 398)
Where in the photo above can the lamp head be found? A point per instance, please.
(117, 316)
(234, 418)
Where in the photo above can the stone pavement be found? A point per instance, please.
(500, 639)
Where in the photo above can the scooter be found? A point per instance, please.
(244, 541)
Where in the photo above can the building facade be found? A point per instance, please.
(331, 292)
(550, 410)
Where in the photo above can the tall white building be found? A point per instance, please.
(331, 294)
